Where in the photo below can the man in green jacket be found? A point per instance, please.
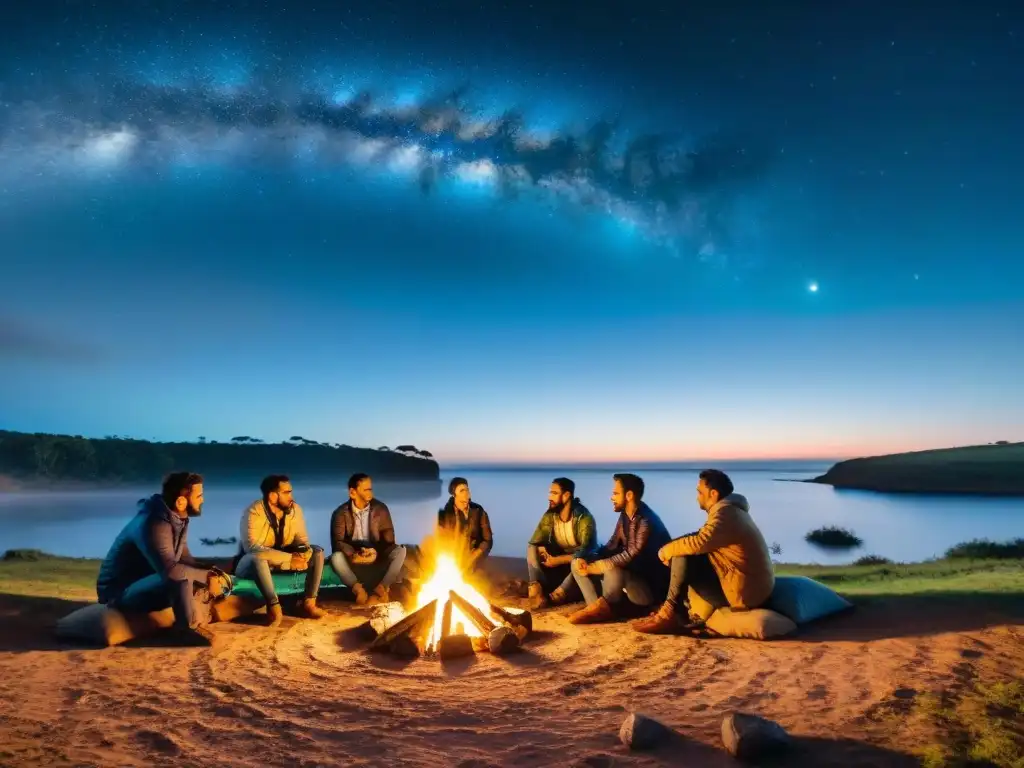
(566, 530)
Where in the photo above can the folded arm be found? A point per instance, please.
(714, 534)
(161, 556)
(628, 549)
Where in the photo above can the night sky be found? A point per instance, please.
(516, 231)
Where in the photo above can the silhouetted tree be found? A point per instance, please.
(409, 448)
(426, 454)
(241, 439)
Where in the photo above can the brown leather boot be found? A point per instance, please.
(595, 613)
(664, 621)
(310, 610)
(380, 595)
(274, 615)
(558, 597)
(538, 599)
(359, 593)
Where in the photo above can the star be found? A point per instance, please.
(813, 287)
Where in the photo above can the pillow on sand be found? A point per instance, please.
(699, 607)
(803, 599)
(99, 625)
(757, 624)
(102, 626)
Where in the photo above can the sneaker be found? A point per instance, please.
(558, 597)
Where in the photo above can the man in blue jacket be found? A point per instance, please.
(149, 567)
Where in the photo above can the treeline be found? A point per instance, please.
(41, 456)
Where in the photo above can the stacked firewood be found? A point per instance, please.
(501, 632)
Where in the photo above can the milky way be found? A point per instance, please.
(673, 191)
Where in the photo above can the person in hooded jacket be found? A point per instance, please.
(565, 531)
(149, 566)
(726, 562)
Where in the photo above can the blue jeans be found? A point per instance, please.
(259, 570)
(190, 600)
(615, 584)
(559, 577)
(377, 573)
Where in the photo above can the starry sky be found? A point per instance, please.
(516, 231)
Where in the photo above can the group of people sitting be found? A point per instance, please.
(150, 568)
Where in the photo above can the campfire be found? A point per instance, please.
(450, 619)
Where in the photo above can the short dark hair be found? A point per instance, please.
(178, 484)
(356, 479)
(567, 485)
(271, 483)
(630, 482)
(454, 483)
(717, 480)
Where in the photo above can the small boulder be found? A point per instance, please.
(642, 732)
(750, 737)
(502, 640)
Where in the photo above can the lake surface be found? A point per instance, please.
(907, 528)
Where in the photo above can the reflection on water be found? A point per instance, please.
(84, 523)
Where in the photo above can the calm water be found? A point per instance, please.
(899, 527)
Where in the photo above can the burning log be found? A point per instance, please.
(446, 620)
(483, 624)
(513, 618)
(502, 640)
(406, 626)
(405, 646)
(381, 617)
(455, 646)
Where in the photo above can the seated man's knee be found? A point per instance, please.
(318, 553)
(397, 554)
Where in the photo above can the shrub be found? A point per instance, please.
(872, 560)
(983, 549)
(833, 537)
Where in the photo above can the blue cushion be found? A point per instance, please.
(286, 583)
(802, 599)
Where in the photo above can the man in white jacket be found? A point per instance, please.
(274, 538)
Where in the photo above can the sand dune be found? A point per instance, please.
(308, 694)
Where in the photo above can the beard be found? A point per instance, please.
(194, 511)
(619, 507)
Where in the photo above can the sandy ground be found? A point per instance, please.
(309, 694)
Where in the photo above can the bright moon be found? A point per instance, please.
(813, 287)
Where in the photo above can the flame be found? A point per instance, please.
(447, 576)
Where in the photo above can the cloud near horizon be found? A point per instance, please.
(23, 341)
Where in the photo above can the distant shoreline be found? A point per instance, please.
(977, 470)
(73, 462)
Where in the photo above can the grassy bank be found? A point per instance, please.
(72, 578)
(993, 470)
